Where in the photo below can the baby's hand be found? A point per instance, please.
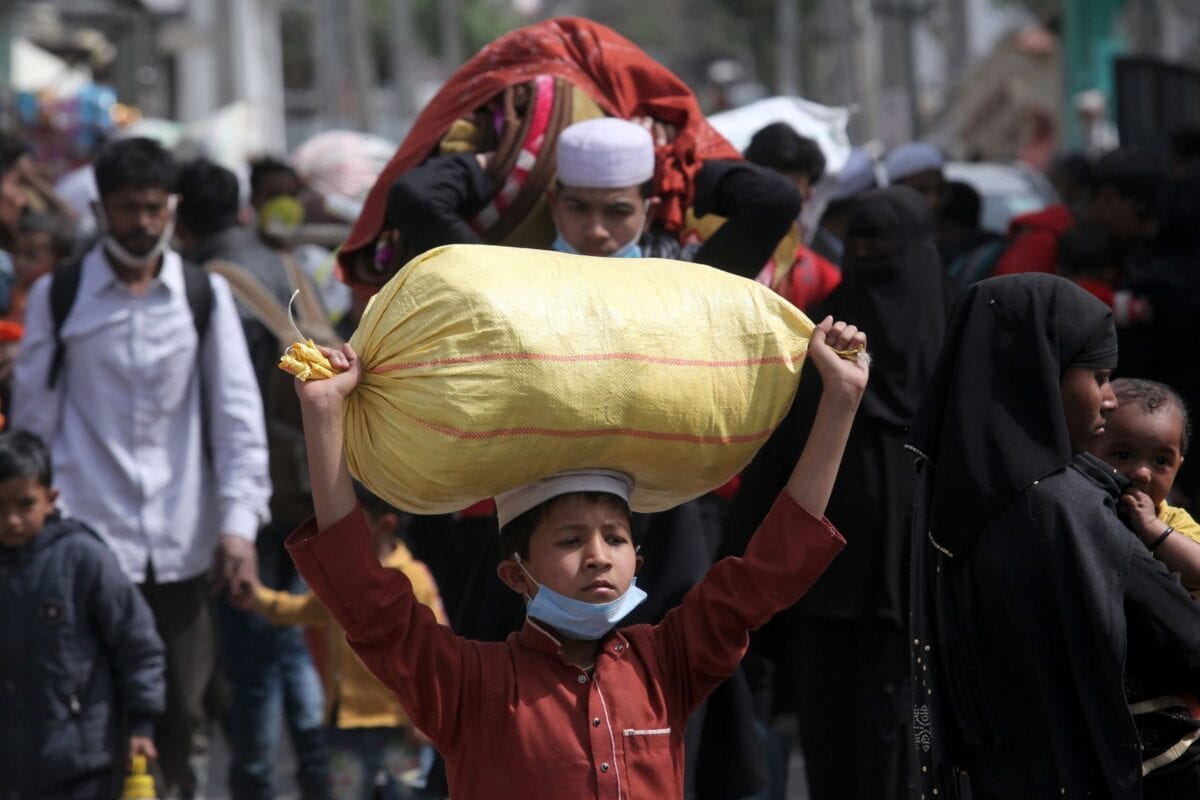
(845, 375)
(1139, 509)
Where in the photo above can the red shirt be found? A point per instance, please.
(513, 719)
(1034, 240)
(810, 280)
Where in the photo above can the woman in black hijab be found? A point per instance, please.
(1027, 591)
(842, 648)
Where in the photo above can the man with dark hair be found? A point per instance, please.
(1125, 187)
(267, 666)
(270, 177)
(1071, 176)
(275, 190)
(283, 208)
(134, 369)
(797, 157)
(968, 250)
(209, 228)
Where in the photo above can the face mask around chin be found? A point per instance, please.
(118, 252)
(575, 618)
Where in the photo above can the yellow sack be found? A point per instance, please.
(486, 368)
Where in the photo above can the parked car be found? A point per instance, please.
(1008, 190)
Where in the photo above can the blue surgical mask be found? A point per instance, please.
(631, 250)
(575, 618)
(563, 246)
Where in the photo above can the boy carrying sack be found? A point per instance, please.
(568, 707)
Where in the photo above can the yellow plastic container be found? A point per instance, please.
(139, 783)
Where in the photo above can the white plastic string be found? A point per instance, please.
(292, 319)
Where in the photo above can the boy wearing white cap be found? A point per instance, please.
(568, 707)
(602, 203)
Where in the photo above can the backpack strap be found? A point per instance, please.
(199, 292)
(64, 286)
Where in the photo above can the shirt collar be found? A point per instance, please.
(540, 639)
(98, 275)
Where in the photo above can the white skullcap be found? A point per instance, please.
(513, 504)
(911, 158)
(605, 153)
(855, 177)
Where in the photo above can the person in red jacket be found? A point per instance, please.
(1125, 189)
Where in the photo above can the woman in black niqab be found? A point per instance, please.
(842, 648)
(1025, 585)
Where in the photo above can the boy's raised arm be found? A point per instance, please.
(321, 406)
(844, 381)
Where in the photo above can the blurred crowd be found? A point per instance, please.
(142, 397)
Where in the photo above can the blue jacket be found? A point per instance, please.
(81, 664)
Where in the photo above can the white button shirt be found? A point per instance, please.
(124, 422)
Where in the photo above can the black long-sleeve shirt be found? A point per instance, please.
(431, 204)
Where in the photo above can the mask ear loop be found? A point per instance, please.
(521, 564)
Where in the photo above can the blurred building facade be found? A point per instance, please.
(983, 78)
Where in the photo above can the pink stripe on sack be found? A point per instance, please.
(574, 358)
(594, 433)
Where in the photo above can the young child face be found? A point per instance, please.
(24, 505)
(599, 222)
(33, 256)
(583, 550)
(1143, 447)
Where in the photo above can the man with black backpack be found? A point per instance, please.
(134, 368)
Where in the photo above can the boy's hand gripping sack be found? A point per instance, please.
(486, 368)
